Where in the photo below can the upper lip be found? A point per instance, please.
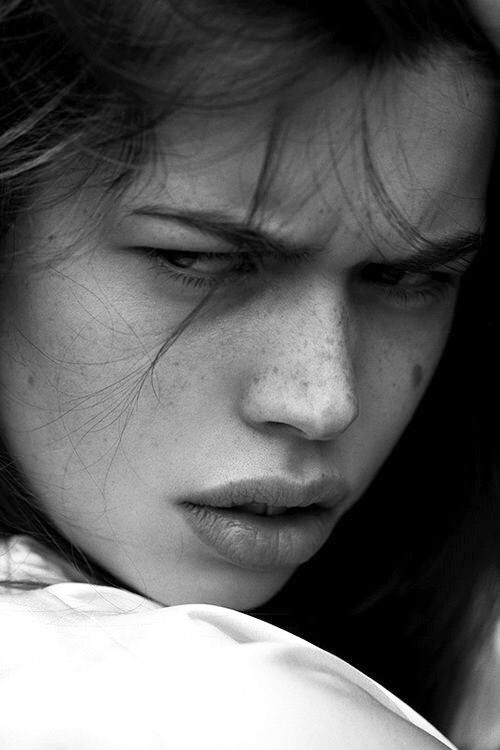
(276, 493)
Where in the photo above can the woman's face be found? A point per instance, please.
(286, 394)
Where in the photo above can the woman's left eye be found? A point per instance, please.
(410, 289)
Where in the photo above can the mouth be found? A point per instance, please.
(280, 529)
(261, 509)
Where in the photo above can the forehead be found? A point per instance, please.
(422, 136)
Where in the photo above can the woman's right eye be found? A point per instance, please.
(200, 269)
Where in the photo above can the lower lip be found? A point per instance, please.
(262, 542)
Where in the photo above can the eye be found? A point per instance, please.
(410, 289)
(200, 269)
(391, 276)
(199, 262)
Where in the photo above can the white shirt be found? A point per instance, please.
(86, 667)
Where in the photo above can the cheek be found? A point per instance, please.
(402, 353)
(80, 410)
(70, 372)
(399, 379)
(393, 373)
(417, 375)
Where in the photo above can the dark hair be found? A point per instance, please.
(80, 79)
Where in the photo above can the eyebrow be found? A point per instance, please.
(426, 255)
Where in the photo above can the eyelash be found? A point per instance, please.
(435, 288)
(438, 286)
(249, 263)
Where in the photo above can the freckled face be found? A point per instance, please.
(297, 369)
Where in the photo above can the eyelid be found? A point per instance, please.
(457, 266)
(249, 252)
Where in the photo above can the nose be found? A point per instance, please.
(302, 381)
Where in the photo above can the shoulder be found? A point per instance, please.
(188, 677)
(96, 667)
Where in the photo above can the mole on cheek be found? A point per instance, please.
(417, 376)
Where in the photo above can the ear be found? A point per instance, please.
(487, 13)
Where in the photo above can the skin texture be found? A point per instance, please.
(301, 371)
(487, 12)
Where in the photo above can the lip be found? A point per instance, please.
(262, 542)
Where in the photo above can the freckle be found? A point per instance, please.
(417, 375)
(31, 381)
(275, 370)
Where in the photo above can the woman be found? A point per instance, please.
(234, 239)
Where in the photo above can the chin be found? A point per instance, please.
(233, 588)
